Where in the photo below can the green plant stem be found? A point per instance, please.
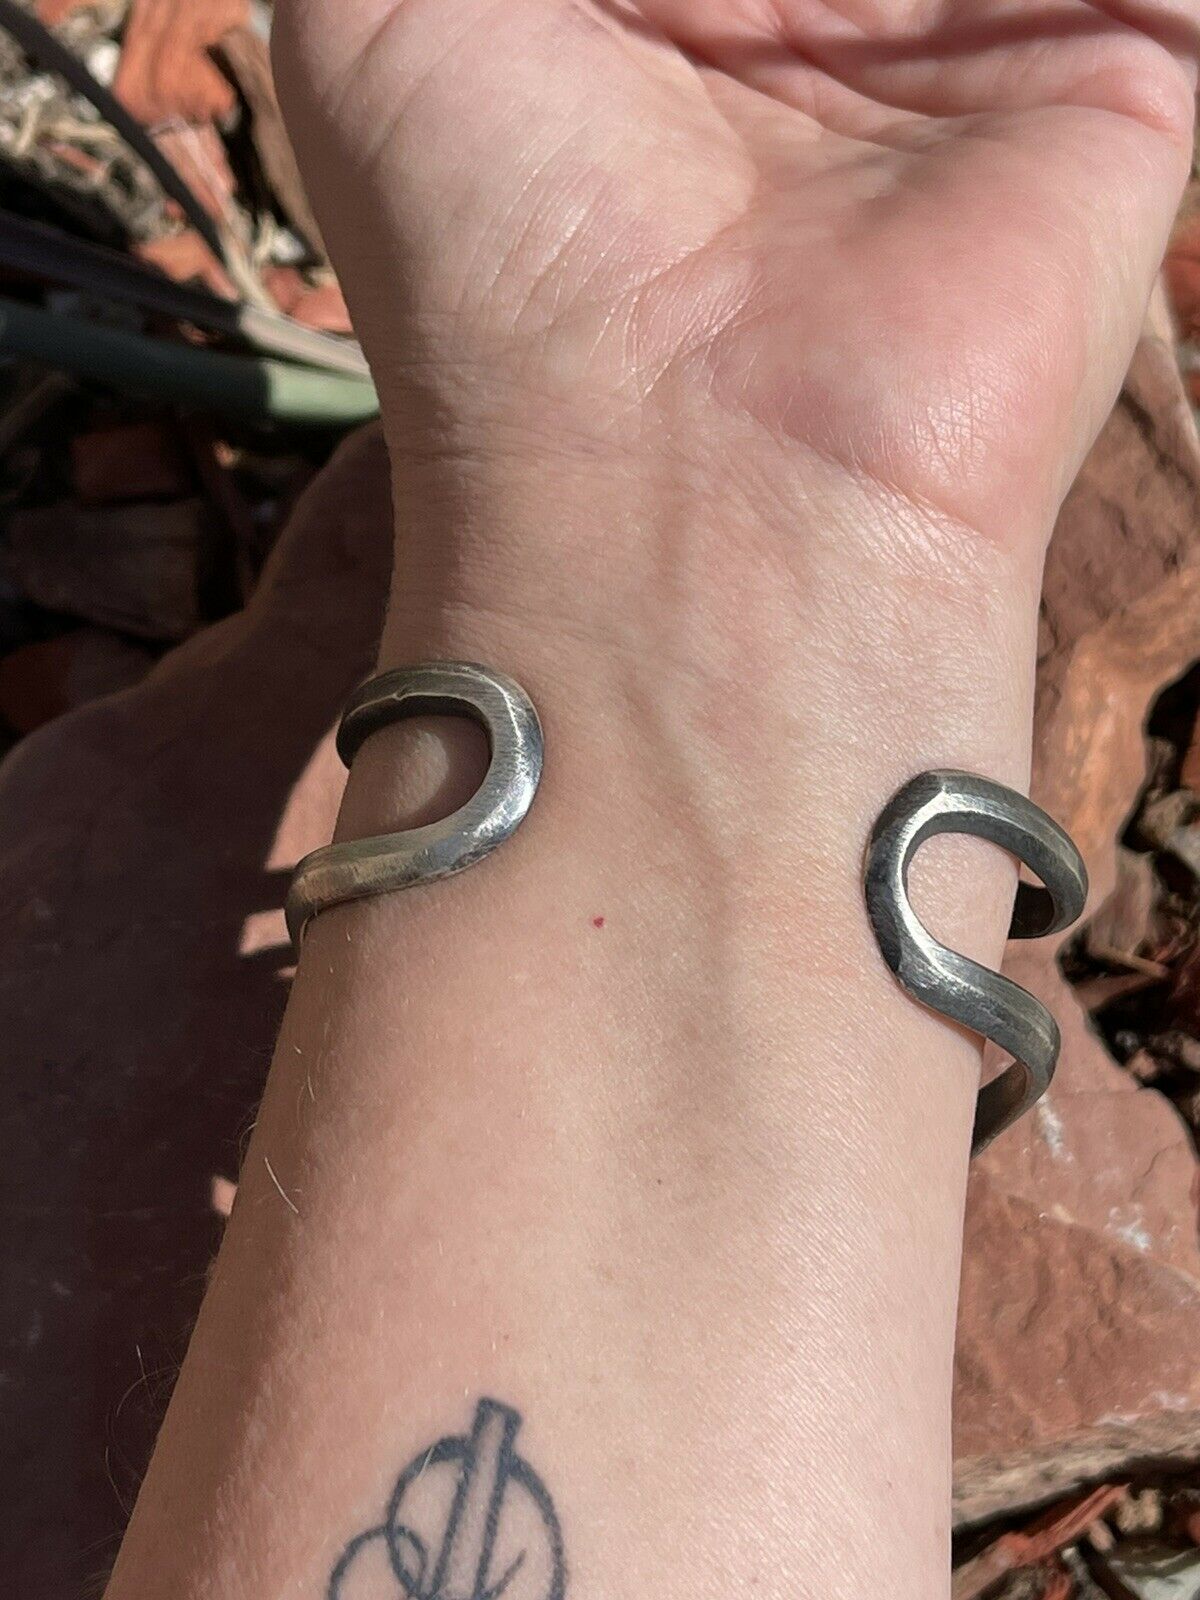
(248, 387)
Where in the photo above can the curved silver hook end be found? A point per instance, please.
(950, 801)
(357, 869)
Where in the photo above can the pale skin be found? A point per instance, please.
(735, 357)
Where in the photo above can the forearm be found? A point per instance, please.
(629, 1128)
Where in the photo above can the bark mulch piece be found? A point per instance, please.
(166, 71)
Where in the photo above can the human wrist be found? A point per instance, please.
(763, 685)
(739, 579)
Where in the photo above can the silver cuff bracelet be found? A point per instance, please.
(933, 802)
(352, 871)
(979, 999)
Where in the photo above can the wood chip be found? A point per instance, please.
(198, 154)
(165, 69)
(52, 12)
(315, 305)
(186, 258)
(246, 58)
(1061, 1525)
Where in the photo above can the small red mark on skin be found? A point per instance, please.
(597, 922)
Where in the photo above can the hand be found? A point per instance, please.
(911, 241)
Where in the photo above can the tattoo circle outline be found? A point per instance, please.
(489, 1469)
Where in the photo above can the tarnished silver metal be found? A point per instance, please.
(354, 870)
(979, 999)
